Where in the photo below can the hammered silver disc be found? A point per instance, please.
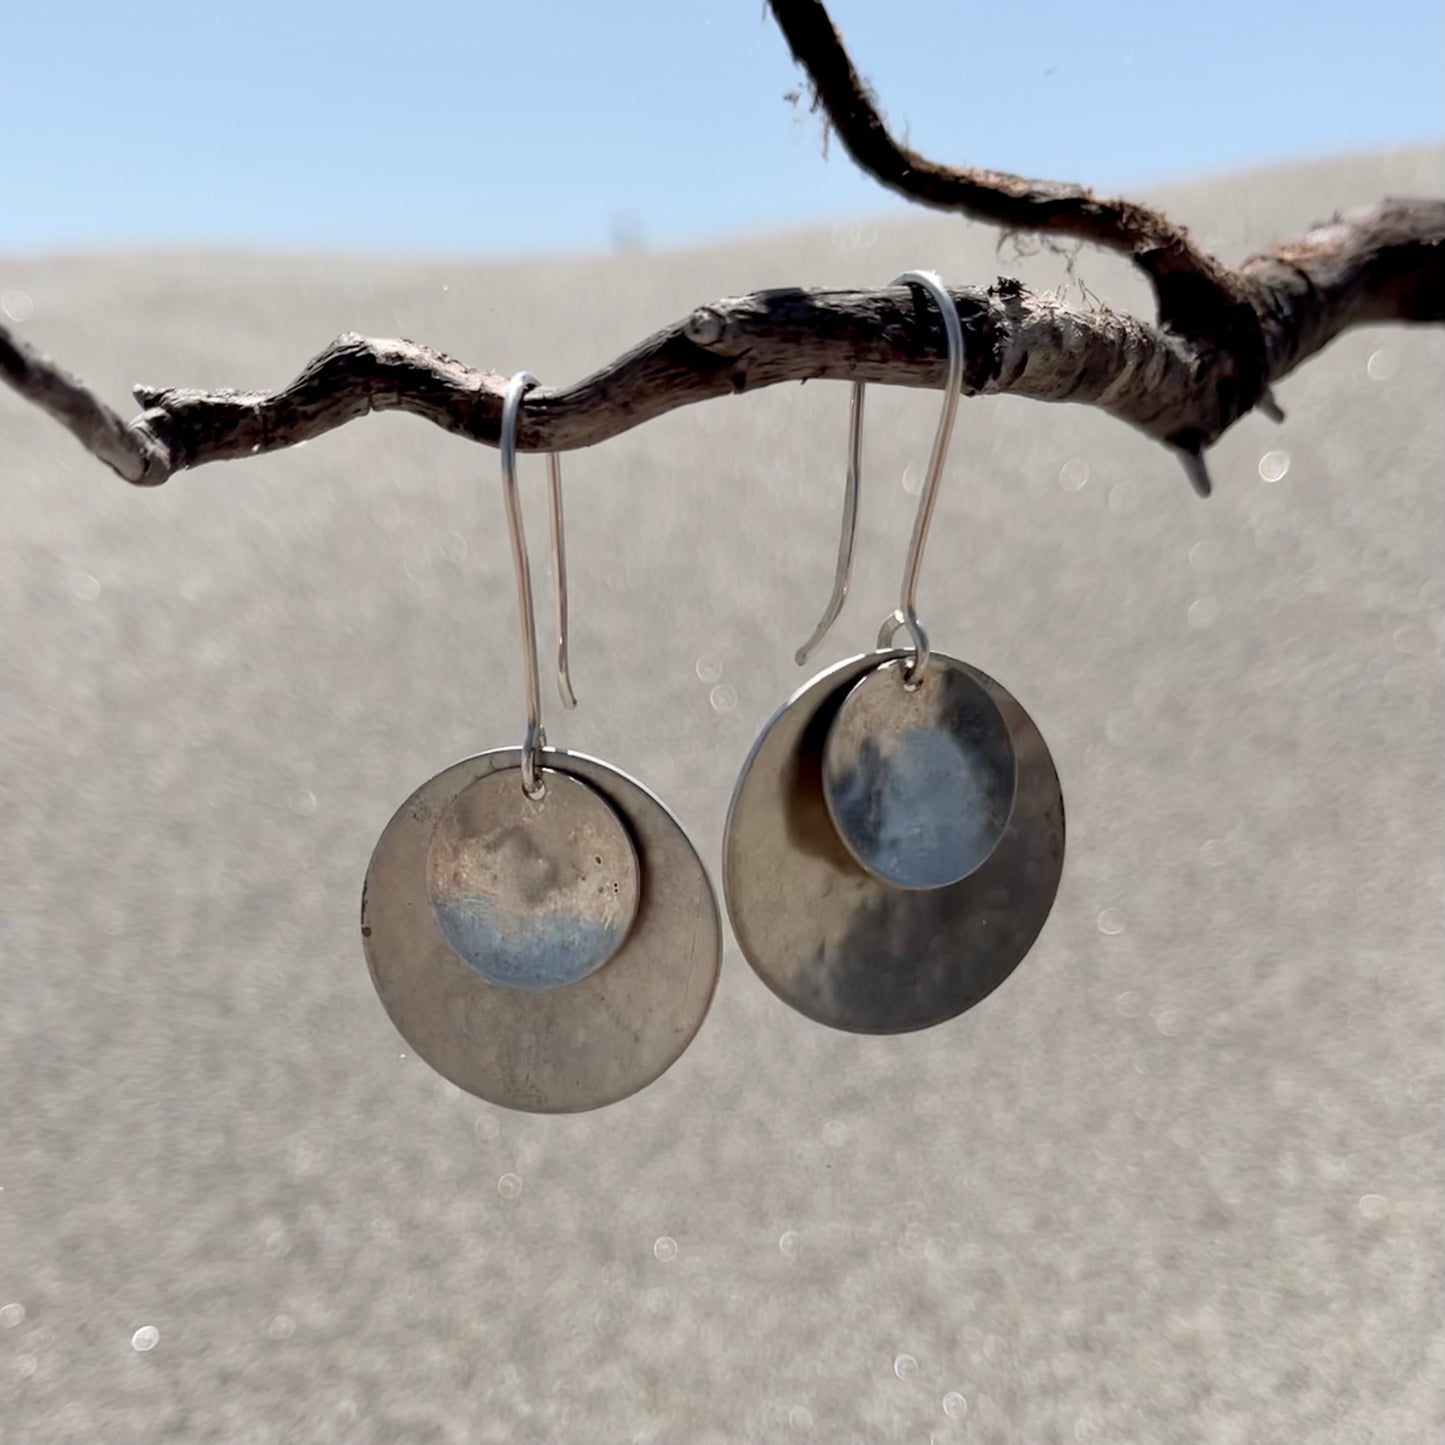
(920, 780)
(532, 892)
(840, 945)
(552, 1050)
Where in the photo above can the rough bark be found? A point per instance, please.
(1383, 263)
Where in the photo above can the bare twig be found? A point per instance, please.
(1229, 316)
(1186, 279)
(126, 450)
(1383, 263)
(1376, 264)
(1017, 343)
(1223, 337)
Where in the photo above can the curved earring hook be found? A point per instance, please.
(536, 738)
(906, 614)
(843, 574)
(559, 581)
(953, 331)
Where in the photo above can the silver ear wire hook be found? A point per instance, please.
(843, 574)
(536, 738)
(953, 330)
(559, 580)
(906, 614)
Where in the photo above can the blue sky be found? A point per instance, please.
(445, 127)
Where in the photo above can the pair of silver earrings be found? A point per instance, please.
(543, 934)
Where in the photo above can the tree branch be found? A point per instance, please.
(1223, 337)
(1247, 327)
(1189, 284)
(1383, 263)
(126, 450)
(1375, 264)
(1017, 343)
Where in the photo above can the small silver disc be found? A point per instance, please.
(837, 943)
(920, 780)
(532, 892)
(551, 1050)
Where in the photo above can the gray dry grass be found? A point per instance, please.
(1179, 1179)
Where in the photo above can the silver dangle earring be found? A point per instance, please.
(896, 837)
(537, 924)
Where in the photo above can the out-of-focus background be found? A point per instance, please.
(1178, 1179)
(572, 127)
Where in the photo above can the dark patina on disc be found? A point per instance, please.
(920, 780)
(532, 892)
(837, 943)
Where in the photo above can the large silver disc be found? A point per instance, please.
(840, 945)
(920, 780)
(554, 1050)
(532, 892)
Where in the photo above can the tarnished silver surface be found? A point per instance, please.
(920, 779)
(558, 1050)
(532, 892)
(837, 943)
